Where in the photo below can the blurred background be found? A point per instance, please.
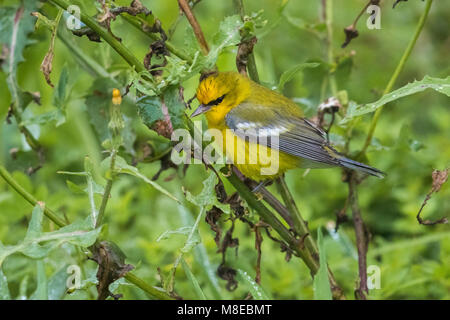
(412, 139)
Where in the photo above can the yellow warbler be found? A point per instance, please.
(255, 121)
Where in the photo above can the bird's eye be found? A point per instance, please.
(217, 101)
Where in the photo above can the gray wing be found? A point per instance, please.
(296, 136)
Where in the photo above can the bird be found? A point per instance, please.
(254, 121)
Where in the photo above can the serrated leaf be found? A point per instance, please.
(289, 74)
(38, 244)
(321, 284)
(254, 288)
(55, 115)
(228, 35)
(175, 106)
(150, 110)
(437, 84)
(166, 234)
(207, 197)
(16, 23)
(121, 166)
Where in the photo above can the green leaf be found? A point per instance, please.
(437, 84)
(55, 115)
(121, 166)
(91, 190)
(228, 35)
(41, 292)
(207, 197)
(322, 289)
(4, 290)
(60, 93)
(16, 23)
(150, 110)
(201, 255)
(98, 105)
(254, 288)
(198, 290)
(38, 244)
(166, 234)
(289, 74)
(170, 107)
(57, 284)
(175, 106)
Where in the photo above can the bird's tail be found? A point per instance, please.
(354, 165)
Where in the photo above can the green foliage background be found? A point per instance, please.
(412, 139)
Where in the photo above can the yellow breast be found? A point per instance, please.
(255, 161)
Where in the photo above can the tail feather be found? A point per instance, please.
(354, 165)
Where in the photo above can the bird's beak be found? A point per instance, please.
(201, 109)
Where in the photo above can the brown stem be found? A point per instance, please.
(184, 6)
(361, 238)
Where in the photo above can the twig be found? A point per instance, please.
(395, 75)
(184, 6)
(439, 178)
(361, 238)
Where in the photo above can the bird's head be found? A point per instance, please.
(221, 92)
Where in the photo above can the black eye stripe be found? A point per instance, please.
(216, 102)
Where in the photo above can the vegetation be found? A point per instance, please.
(93, 207)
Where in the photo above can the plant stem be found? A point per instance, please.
(154, 292)
(299, 223)
(27, 196)
(361, 238)
(154, 36)
(107, 193)
(108, 37)
(184, 6)
(276, 224)
(396, 73)
(329, 41)
(251, 62)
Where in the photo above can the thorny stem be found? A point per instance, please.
(396, 73)
(184, 6)
(154, 292)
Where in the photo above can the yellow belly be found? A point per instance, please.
(255, 161)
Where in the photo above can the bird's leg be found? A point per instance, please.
(261, 184)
